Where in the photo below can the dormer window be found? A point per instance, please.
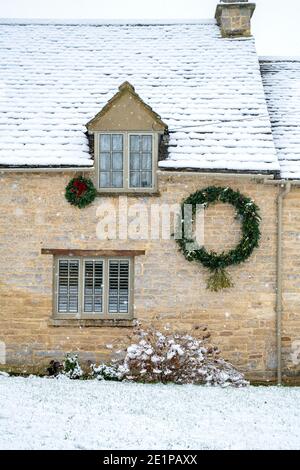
(126, 140)
(127, 161)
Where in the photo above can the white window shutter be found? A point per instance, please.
(93, 286)
(68, 286)
(118, 295)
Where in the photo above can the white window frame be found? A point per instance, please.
(126, 170)
(81, 315)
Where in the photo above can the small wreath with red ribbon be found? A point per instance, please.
(80, 192)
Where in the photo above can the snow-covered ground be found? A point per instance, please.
(39, 413)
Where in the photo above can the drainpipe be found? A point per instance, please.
(281, 196)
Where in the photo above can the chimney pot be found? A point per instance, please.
(234, 17)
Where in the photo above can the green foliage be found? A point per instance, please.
(218, 280)
(71, 367)
(105, 372)
(247, 211)
(80, 191)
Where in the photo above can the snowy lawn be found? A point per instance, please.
(41, 413)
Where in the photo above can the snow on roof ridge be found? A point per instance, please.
(96, 22)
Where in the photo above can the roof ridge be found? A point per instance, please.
(102, 22)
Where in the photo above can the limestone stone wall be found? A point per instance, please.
(167, 288)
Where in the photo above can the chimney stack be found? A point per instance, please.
(234, 17)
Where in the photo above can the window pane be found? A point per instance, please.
(111, 161)
(134, 143)
(147, 143)
(104, 142)
(118, 286)
(124, 287)
(146, 179)
(98, 286)
(113, 286)
(117, 142)
(68, 278)
(104, 161)
(117, 161)
(88, 304)
(73, 304)
(104, 180)
(140, 161)
(134, 161)
(146, 161)
(93, 285)
(134, 179)
(117, 179)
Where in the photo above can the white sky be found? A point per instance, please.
(275, 22)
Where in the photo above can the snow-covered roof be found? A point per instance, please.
(208, 90)
(281, 80)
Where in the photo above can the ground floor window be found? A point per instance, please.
(93, 287)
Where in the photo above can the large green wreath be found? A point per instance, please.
(246, 210)
(80, 191)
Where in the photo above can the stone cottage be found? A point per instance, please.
(150, 113)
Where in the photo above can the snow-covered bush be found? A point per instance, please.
(175, 357)
(104, 372)
(71, 367)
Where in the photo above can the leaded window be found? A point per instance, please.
(127, 162)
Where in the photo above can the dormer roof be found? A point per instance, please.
(126, 111)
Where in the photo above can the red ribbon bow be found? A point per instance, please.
(80, 186)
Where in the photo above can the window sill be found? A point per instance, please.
(154, 193)
(103, 322)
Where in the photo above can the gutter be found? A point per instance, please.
(286, 186)
(257, 176)
(46, 169)
(282, 194)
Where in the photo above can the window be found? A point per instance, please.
(111, 150)
(68, 274)
(93, 288)
(140, 161)
(127, 161)
(118, 290)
